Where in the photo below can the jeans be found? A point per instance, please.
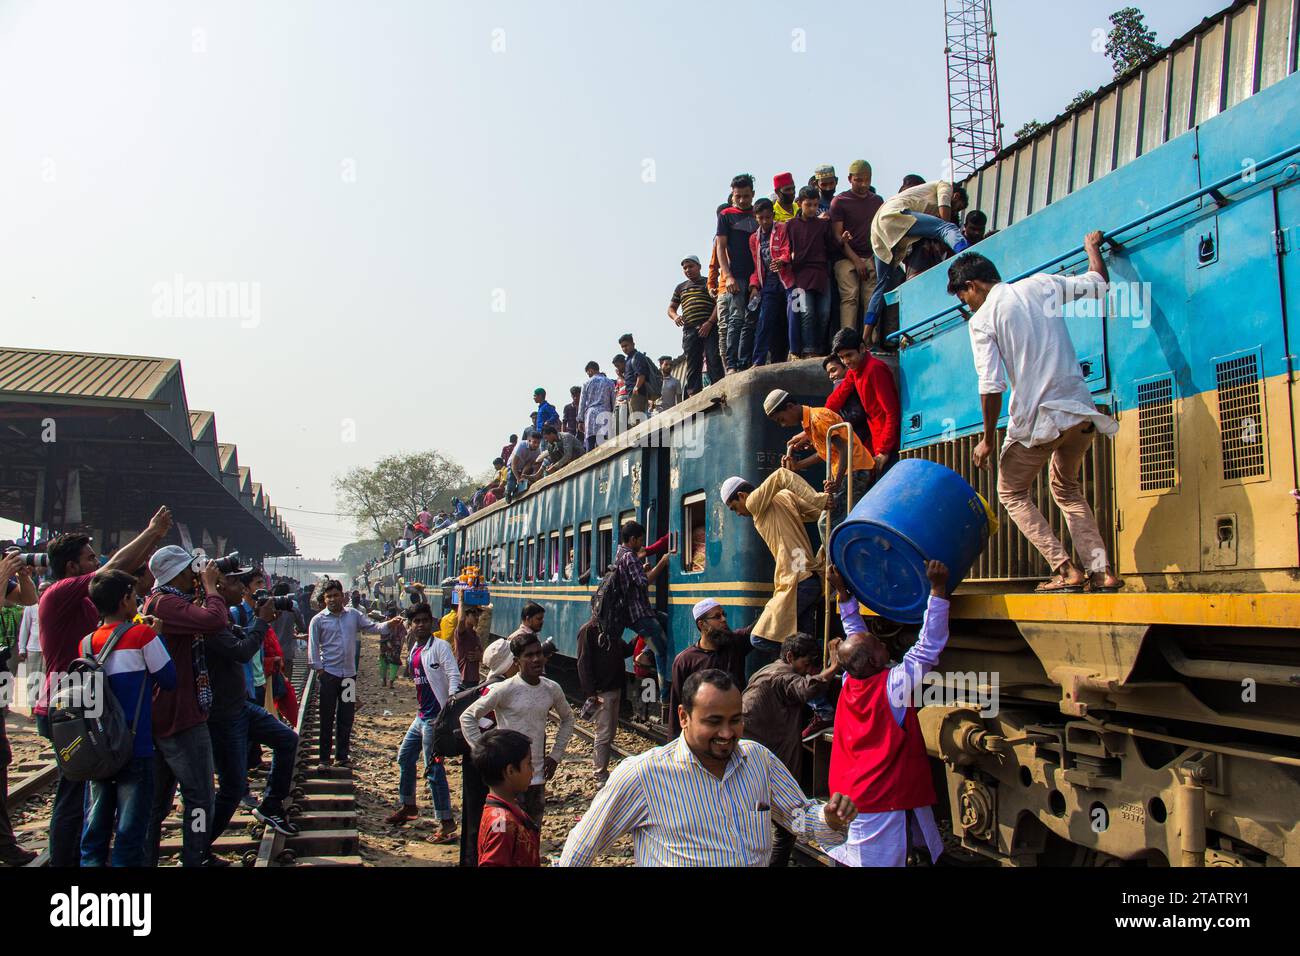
(652, 630)
(514, 485)
(809, 314)
(889, 276)
(771, 341)
(701, 352)
(118, 809)
(184, 758)
(740, 326)
(473, 796)
(230, 741)
(337, 697)
(419, 738)
(68, 814)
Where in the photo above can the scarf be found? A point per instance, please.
(198, 654)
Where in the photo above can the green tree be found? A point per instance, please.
(1029, 129)
(1129, 41)
(384, 498)
(1079, 98)
(353, 556)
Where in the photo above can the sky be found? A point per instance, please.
(428, 208)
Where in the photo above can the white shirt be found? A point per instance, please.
(440, 668)
(1020, 332)
(522, 706)
(680, 814)
(29, 639)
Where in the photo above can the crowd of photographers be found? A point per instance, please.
(195, 655)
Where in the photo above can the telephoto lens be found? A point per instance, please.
(281, 602)
(228, 563)
(36, 559)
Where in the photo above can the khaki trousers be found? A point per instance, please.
(855, 292)
(606, 724)
(1017, 469)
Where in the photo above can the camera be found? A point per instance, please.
(225, 565)
(33, 559)
(281, 602)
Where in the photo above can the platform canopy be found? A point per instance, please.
(99, 442)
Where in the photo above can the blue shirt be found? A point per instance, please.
(332, 640)
(546, 414)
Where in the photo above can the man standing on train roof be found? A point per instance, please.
(878, 756)
(1018, 332)
(546, 413)
(595, 407)
(781, 507)
(873, 382)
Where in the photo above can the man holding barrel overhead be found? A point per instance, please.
(781, 507)
(1018, 332)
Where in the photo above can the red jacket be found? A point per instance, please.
(876, 763)
(779, 249)
(507, 836)
(874, 383)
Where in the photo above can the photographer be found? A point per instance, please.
(284, 625)
(66, 615)
(183, 751)
(234, 721)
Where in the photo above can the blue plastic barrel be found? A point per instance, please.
(918, 511)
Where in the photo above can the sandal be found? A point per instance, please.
(1091, 588)
(1057, 585)
(445, 839)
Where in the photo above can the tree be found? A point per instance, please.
(1079, 98)
(384, 498)
(1029, 129)
(353, 556)
(1129, 41)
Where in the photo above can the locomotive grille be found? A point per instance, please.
(1009, 556)
(1156, 468)
(1241, 421)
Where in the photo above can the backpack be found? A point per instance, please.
(608, 607)
(654, 381)
(88, 747)
(448, 741)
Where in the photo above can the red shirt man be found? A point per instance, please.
(873, 381)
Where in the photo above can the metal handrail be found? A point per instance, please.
(1214, 188)
(826, 537)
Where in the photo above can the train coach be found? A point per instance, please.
(1159, 725)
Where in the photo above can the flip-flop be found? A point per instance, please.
(1058, 587)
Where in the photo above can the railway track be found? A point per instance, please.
(322, 802)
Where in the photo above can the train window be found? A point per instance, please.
(693, 537)
(584, 550)
(510, 570)
(528, 564)
(605, 544)
(541, 557)
(567, 571)
(554, 567)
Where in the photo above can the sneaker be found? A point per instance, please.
(248, 800)
(276, 820)
(344, 762)
(815, 728)
(401, 815)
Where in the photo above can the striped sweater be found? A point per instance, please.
(139, 656)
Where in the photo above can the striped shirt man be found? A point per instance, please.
(680, 814)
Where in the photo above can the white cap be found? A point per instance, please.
(729, 487)
(497, 657)
(775, 399)
(704, 607)
(169, 561)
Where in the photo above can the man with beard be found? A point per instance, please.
(708, 798)
(719, 648)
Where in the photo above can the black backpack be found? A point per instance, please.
(90, 747)
(654, 380)
(609, 606)
(448, 741)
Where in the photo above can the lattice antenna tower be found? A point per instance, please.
(974, 119)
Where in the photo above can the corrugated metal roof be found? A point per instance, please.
(198, 422)
(119, 378)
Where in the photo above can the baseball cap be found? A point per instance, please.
(695, 259)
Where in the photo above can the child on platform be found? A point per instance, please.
(507, 835)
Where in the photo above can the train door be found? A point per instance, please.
(1287, 244)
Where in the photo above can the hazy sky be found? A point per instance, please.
(434, 207)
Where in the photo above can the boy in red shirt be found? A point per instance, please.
(507, 836)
